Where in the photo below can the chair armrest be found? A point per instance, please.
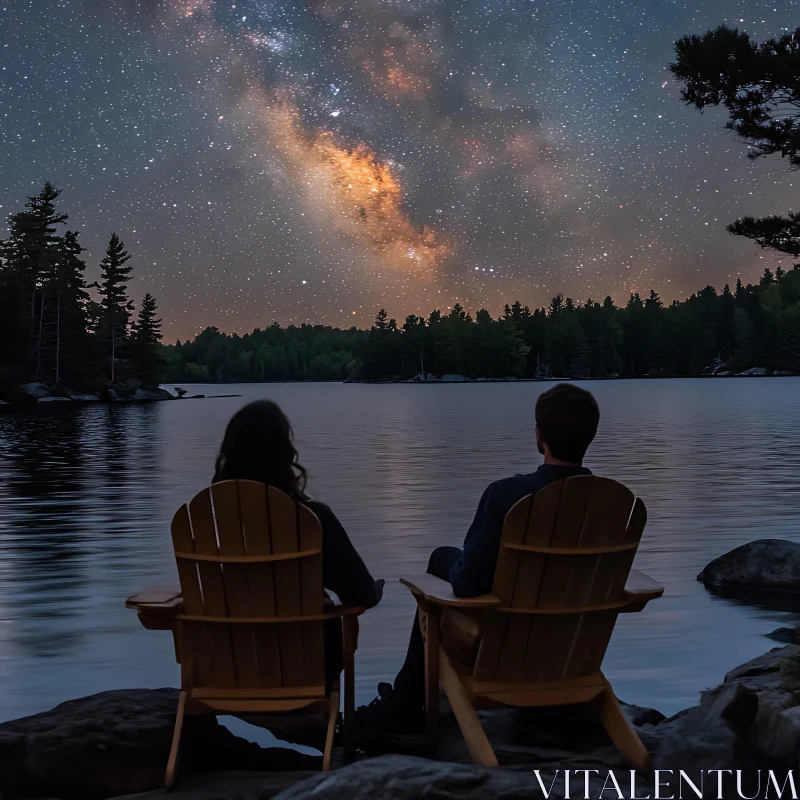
(157, 606)
(640, 589)
(154, 595)
(435, 590)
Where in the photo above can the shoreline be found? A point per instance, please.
(27, 400)
(464, 379)
(119, 401)
(35, 395)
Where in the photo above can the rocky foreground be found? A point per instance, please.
(116, 743)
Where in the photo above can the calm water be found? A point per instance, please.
(86, 495)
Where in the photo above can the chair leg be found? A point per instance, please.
(172, 763)
(430, 627)
(620, 730)
(333, 716)
(466, 716)
(349, 652)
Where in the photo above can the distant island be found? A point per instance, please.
(754, 329)
(55, 341)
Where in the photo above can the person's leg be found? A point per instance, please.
(397, 712)
(410, 681)
(332, 633)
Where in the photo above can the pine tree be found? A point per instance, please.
(70, 327)
(727, 305)
(146, 335)
(147, 329)
(30, 255)
(556, 305)
(415, 334)
(113, 291)
(381, 319)
(378, 356)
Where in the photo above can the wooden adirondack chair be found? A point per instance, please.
(563, 574)
(248, 618)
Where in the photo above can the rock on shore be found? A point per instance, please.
(116, 743)
(765, 564)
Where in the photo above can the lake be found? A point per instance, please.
(87, 493)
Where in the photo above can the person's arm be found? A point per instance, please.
(472, 575)
(343, 571)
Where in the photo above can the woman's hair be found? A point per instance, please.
(258, 446)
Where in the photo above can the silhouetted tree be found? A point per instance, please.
(50, 328)
(71, 323)
(145, 336)
(759, 85)
(30, 255)
(113, 290)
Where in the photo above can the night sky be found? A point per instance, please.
(313, 161)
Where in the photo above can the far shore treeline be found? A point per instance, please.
(710, 332)
(51, 331)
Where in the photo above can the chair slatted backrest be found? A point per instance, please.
(563, 563)
(247, 550)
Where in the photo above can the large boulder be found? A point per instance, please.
(766, 564)
(118, 742)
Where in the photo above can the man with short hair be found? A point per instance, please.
(566, 423)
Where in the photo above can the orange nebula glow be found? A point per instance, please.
(188, 8)
(357, 191)
(405, 82)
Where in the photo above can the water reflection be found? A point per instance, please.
(86, 496)
(44, 569)
(767, 601)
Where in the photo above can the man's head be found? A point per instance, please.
(566, 422)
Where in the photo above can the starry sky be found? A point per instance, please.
(314, 160)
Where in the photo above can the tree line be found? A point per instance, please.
(51, 330)
(732, 330)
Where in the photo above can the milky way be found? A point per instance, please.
(314, 161)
